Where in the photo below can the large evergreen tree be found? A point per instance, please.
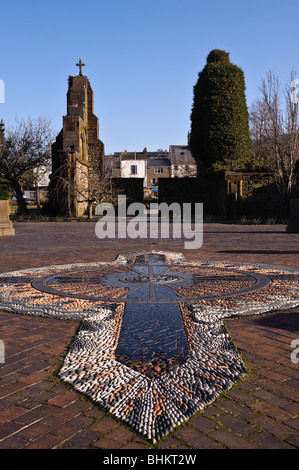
(219, 134)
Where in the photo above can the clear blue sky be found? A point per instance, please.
(142, 58)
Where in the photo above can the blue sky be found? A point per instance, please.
(142, 58)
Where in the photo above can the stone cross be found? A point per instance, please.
(80, 65)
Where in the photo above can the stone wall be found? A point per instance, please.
(293, 222)
(231, 194)
(6, 228)
(261, 197)
(132, 188)
(210, 192)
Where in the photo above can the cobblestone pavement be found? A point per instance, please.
(38, 411)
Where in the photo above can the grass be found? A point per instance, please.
(36, 214)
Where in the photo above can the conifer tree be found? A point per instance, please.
(220, 136)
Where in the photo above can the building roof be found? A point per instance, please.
(112, 161)
(181, 155)
(177, 155)
(158, 162)
(132, 156)
(159, 153)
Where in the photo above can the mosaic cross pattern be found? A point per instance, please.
(151, 348)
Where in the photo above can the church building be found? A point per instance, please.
(77, 153)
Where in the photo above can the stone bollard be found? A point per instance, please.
(293, 222)
(6, 227)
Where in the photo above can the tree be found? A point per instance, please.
(274, 125)
(98, 188)
(219, 134)
(22, 150)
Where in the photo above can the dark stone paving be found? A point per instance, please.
(37, 411)
(152, 354)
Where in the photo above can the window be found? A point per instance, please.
(133, 169)
(175, 167)
(158, 170)
(153, 181)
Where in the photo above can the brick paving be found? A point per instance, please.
(37, 411)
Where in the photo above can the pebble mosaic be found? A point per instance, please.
(151, 348)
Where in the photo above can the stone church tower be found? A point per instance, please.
(77, 153)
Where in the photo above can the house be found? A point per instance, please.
(133, 165)
(151, 166)
(156, 167)
(183, 164)
(37, 190)
(30, 194)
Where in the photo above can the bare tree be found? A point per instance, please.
(275, 132)
(40, 178)
(22, 150)
(100, 189)
(258, 120)
(87, 187)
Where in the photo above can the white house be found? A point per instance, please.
(133, 165)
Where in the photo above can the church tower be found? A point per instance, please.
(77, 153)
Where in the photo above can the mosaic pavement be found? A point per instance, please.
(152, 347)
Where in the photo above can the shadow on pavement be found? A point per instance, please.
(288, 320)
(263, 252)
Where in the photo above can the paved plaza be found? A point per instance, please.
(40, 410)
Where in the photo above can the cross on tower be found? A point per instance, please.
(80, 65)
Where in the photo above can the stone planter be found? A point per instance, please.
(293, 223)
(6, 228)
